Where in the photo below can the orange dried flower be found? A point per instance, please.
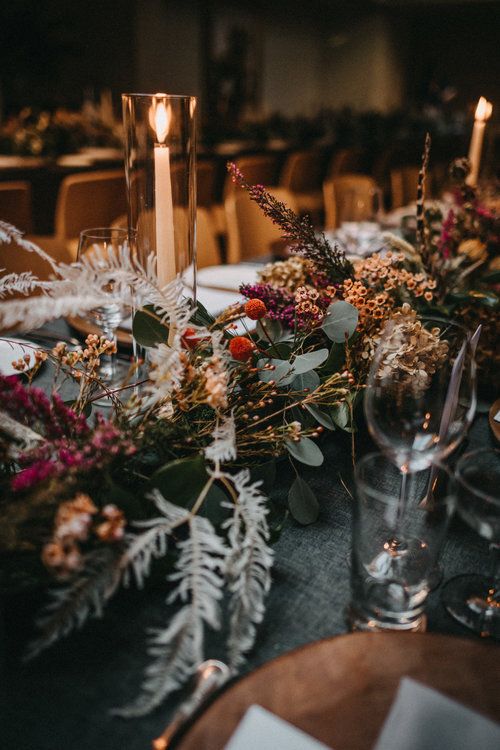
(255, 309)
(241, 348)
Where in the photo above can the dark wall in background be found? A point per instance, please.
(315, 53)
(51, 50)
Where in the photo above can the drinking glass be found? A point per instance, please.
(389, 589)
(421, 390)
(94, 244)
(474, 600)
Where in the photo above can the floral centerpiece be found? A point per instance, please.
(170, 478)
(53, 134)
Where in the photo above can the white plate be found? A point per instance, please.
(228, 277)
(12, 349)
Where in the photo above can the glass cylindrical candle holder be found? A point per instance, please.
(160, 167)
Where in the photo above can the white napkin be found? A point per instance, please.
(228, 277)
(423, 719)
(261, 730)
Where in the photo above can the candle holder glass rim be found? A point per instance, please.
(382, 496)
(461, 479)
(160, 96)
(99, 231)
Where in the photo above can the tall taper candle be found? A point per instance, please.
(483, 113)
(165, 241)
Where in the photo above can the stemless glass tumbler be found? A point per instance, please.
(390, 583)
(472, 599)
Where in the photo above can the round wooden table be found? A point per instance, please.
(340, 690)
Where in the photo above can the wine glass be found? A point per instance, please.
(96, 244)
(421, 390)
(474, 600)
(419, 402)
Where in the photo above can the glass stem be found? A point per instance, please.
(107, 371)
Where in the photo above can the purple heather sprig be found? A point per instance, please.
(298, 231)
(82, 452)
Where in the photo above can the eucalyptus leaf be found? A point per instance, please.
(182, 480)
(341, 415)
(283, 372)
(309, 361)
(272, 328)
(308, 381)
(297, 414)
(282, 350)
(322, 417)
(147, 329)
(306, 451)
(336, 359)
(302, 502)
(340, 321)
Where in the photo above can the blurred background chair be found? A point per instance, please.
(302, 175)
(350, 197)
(251, 234)
(91, 199)
(404, 181)
(15, 204)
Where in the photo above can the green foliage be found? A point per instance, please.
(147, 329)
(306, 451)
(302, 502)
(340, 321)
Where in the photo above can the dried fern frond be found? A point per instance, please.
(178, 650)
(249, 565)
(84, 597)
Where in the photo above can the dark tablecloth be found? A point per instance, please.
(62, 699)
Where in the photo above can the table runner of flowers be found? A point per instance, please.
(170, 479)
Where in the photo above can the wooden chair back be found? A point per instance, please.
(15, 204)
(91, 199)
(251, 234)
(303, 171)
(357, 190)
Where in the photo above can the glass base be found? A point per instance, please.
(361, 621)
(468, 598)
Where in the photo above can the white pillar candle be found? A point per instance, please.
(483, 113)
(165, 243)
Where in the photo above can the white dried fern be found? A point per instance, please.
(249, 565)
(178, 650)
(85, 596)
(223, 445)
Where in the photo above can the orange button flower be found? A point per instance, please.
(241, 348)
(255, 309)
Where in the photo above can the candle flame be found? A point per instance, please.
(483, 110)
(159, 118)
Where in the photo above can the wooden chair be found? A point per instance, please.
(90, 199)
(347, 161)
(251, 234)
(15, 204)
(359, 191)
(302, 175)
(207, 246)
(404, 182)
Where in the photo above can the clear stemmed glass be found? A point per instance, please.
(421, 390)
(96, 243)
(474, 600)
(419, 401)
